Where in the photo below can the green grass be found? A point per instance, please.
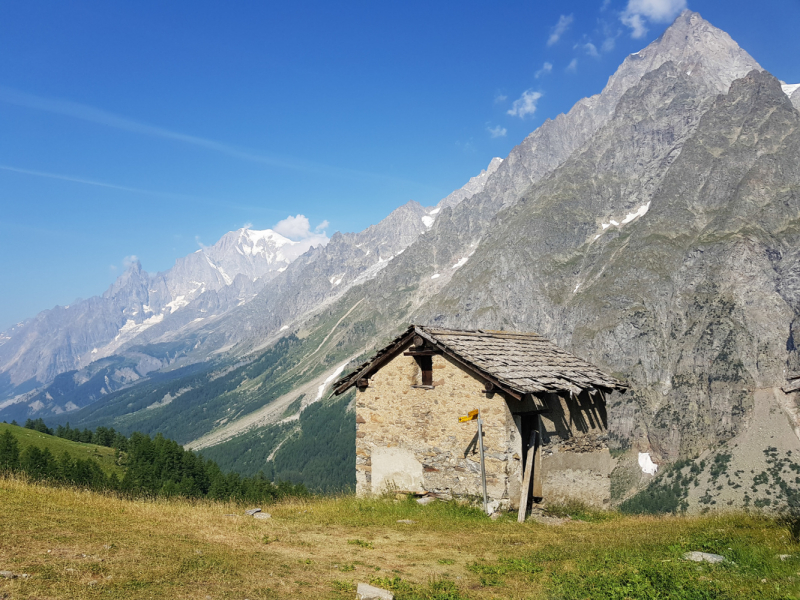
(79, 544)
(104, 456)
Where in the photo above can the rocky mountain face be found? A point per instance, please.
(216, 277)
(676, 268)
(652, 230)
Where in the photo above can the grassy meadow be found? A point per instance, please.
(79, 544)
(57, 446)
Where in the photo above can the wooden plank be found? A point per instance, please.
(791, 387)
(526, 480)
(374, 365)
(537, 469)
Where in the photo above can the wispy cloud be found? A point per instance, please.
(93, 182)
(564, 22)
(134, 190)
(572, 66)
(639, 12)
(497, 131)
(525, 104)
(500, 98)
(610, 33)
(545, 70)
(129, 260)
(101, 117)
(590, 49)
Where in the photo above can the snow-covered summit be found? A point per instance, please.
(789, 88)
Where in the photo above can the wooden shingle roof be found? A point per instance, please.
(518, 363)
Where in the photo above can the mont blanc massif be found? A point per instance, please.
(653, 230)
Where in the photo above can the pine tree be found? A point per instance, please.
(9, 452)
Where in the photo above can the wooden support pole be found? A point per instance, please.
(483, 466)
(537, 460)
(526, 480)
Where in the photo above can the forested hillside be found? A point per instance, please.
(317, 450)
(151, 467)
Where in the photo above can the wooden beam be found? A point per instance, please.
(373, 366)
(537, 467)
(526, 480)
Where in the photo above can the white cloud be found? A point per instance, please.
(638, 12)
(500, 98)
(564, 21)
(294, 228)
(525, 104)
(247, 225)
(573, 65)
(591, 49)
(299, 230)
(636, 23)
(545, 70)
(497, 132)
(608, 44)
(129, 260)
(605, 5)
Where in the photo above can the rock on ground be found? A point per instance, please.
(370, 592)
(704, 557)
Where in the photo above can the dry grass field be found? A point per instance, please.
(80, 544)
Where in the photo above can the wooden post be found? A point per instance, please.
(526, 480)
(537, 470)
(483, 467)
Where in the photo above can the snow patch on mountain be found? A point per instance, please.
(639, 212)
(646, 464)
(789, 88)
(331, 377)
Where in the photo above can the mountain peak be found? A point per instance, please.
(696, 45)
(256, 236)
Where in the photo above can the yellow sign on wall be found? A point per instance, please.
(473, 414)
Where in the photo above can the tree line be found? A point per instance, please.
(153, 467)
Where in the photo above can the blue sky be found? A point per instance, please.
(147, 128)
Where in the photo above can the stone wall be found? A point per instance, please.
(576, 463)
(409, 438)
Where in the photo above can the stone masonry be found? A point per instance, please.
(409, 438)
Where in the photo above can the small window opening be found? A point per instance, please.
(426, 366)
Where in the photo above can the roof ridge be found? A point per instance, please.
(531, 364)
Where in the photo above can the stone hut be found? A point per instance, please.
(412, 393)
